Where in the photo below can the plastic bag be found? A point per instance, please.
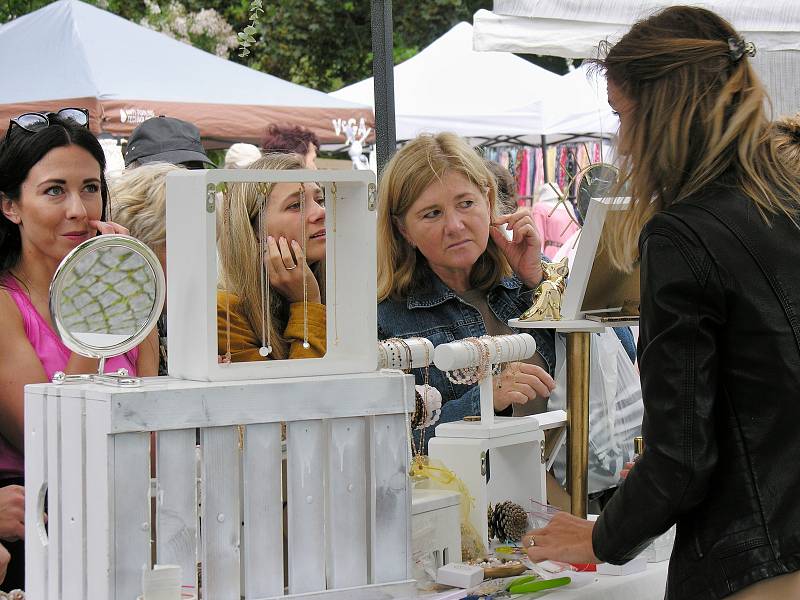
(615, 409)
(433, 474)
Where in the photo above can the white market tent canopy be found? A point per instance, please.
(573, 30)
(72, 54)
(448, 86)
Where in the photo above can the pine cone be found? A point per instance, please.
(507, 522)
(492, 518)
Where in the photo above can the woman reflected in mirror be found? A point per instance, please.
(54, 196)
(272, 256)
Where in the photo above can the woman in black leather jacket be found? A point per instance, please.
(719, 345)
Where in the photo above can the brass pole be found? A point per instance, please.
(578, 346)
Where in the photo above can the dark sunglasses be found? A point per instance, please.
(34, 121)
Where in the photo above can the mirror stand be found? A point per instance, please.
(118, 379)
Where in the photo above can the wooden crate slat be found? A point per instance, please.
(262, 541)
(221, 520)
(305, 467)
(347, 503)
(392, 504)
(131, 513)
(176, 502)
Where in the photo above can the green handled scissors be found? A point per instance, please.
(533, 583)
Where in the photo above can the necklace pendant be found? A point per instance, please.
(265, 351)
(306, 345)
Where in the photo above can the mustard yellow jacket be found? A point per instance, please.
(245, 342)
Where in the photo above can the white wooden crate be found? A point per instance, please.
(88, 448)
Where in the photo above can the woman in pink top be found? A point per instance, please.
(53, 195)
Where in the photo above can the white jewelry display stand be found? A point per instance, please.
(596, 288)
(88, 448)
(497, 458)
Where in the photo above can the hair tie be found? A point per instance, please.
(738, 48)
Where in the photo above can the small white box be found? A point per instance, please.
(636, 565)
(459, 575)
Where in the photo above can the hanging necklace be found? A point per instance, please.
(418, 460)
(263, 270)
(306, 345)
(226, 232)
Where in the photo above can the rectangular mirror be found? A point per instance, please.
(217, 287)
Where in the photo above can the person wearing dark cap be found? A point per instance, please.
(169, 140)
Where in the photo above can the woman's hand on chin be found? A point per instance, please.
(287, 267)
(519, 383)
(106, 227)
(524, 250)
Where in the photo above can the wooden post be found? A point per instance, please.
(578, 353)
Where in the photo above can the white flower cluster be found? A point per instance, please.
(205, 28)
(152, 7)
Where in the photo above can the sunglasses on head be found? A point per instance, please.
(34, 121)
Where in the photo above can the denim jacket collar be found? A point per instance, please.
(436, 292)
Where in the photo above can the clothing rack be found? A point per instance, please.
(535, 166)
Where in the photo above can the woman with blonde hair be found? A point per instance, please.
(284, 319)
(714, 224)
(139, 203)
(447, 271)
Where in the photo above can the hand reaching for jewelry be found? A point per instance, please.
(105, 227)
(284, 274)
(520, 382)
(566, 539)
(524, 250)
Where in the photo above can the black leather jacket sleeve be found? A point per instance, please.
(682, 311)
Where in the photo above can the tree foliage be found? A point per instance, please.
(323, 44)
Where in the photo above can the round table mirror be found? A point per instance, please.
(595, 181)
(105, 298)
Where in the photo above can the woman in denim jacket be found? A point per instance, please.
(447, 271)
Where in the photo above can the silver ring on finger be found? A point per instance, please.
(292, 268)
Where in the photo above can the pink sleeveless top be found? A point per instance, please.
(53, 355)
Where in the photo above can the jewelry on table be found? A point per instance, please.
(496, 367)
(479, 353)
(403, 345)
(519, 348)
(415, 420)
(384, 353)
(484, 360)
(425, 384)
(407, 349)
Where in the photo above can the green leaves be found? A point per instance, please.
(246, 37)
